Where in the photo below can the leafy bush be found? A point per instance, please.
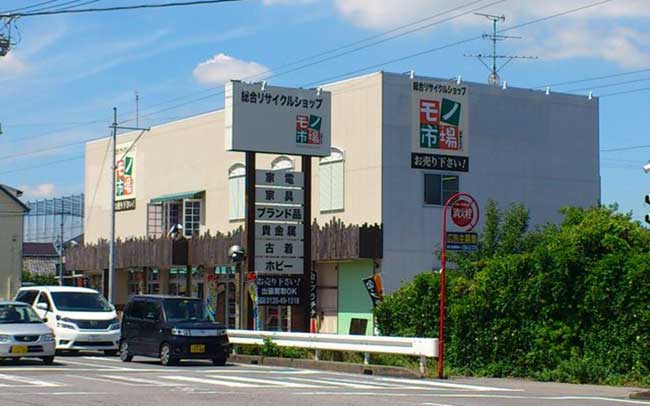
(565, 303)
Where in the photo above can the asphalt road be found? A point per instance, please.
(96, 380)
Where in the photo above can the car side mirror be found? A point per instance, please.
(42, 306)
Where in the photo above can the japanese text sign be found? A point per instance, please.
(278, 213)
(279, 290)
(279, 248)
(278, 266)
(281, 231)
(279, 178)
(440, 118)
(465, 242)
(125, 172)
(279, 196)
(277, 119)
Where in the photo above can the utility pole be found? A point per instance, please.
(111, 245)
(494, 78)
(137, 109)
(61, 243)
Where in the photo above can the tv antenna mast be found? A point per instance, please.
(495, 37)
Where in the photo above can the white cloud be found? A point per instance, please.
(11, 66)
(221, 68)
(594, 32)
(379, 15)
(623, 46)
(40, 191)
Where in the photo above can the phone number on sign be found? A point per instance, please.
(439, 88)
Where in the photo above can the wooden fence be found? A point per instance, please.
(332, 241)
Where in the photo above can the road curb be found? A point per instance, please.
(334, 366)
(643, 395)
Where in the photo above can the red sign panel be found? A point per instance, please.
(465, 212)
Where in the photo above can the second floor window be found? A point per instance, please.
(332, 182)
(237, 192)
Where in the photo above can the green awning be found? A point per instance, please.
(197, 194)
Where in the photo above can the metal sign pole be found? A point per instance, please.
(306, 169)
(250, 234)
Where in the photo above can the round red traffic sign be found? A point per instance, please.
(464, 212)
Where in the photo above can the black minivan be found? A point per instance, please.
(171, 328)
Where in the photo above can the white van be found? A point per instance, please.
(81, 318)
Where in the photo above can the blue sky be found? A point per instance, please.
(60, 82)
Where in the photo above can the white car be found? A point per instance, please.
(81, 318)
(24, 334)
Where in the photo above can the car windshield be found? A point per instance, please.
(186, 310)
(16, 314)
(80, 302)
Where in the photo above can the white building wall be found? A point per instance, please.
(11, 246)
(525, 147)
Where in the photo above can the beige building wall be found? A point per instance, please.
(189, 155)
(11, 246)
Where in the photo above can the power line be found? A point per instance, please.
(626, 148)
(51, 163)
(571, 82)
(116, 8)
(30, 7)
(531, 22)
(270, 71)
(643, 89)
(627, 82)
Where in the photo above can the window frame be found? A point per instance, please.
(337, 156)
(195, 231)
(442, 189)
(236, 172)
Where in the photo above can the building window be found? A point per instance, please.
(192, 217)
(153, 281)
(171, 214)
(135, 282)
(155, 226)
(282, 163)
(439, 188)
(332, 181)
(237, 190)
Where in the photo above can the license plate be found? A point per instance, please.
(197, 348)
(19, 349)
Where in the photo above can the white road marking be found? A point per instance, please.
(209, 381)
(27, 381)
(103, 359)
(144, 382)
(264, 381)
(87, 364)
(448, 385)
(52, 393)
(91, 378)
(341, 383)
(253, 371)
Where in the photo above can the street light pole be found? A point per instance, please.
(111, 246)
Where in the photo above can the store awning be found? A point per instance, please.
(197, 194)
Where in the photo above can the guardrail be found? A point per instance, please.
(421, 347)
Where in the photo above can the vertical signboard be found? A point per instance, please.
(440, 136)
(125, 177)
(279, 120)
(279, 236)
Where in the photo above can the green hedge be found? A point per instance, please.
(567, 303)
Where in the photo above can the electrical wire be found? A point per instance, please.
(391, 61)
(591, 79)
(643, 89)
(51, 163)
(115, 8)
(30, 7)
(627, 82)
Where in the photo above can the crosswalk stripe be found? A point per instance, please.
(264, 381)
(111, 381)
(210, 381)
(334, 382)
(447, 385)
(28, 381)
(145, 382)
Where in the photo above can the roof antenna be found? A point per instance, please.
(494, 78)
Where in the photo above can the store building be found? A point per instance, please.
(400, 147)
(12, 211)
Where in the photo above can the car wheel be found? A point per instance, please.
(219, 361)
(110, 353)
(125, 356)
(48, 360)
(166, 355)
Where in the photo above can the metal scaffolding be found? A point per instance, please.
(55, 220)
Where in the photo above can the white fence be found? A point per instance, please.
(421, 347)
